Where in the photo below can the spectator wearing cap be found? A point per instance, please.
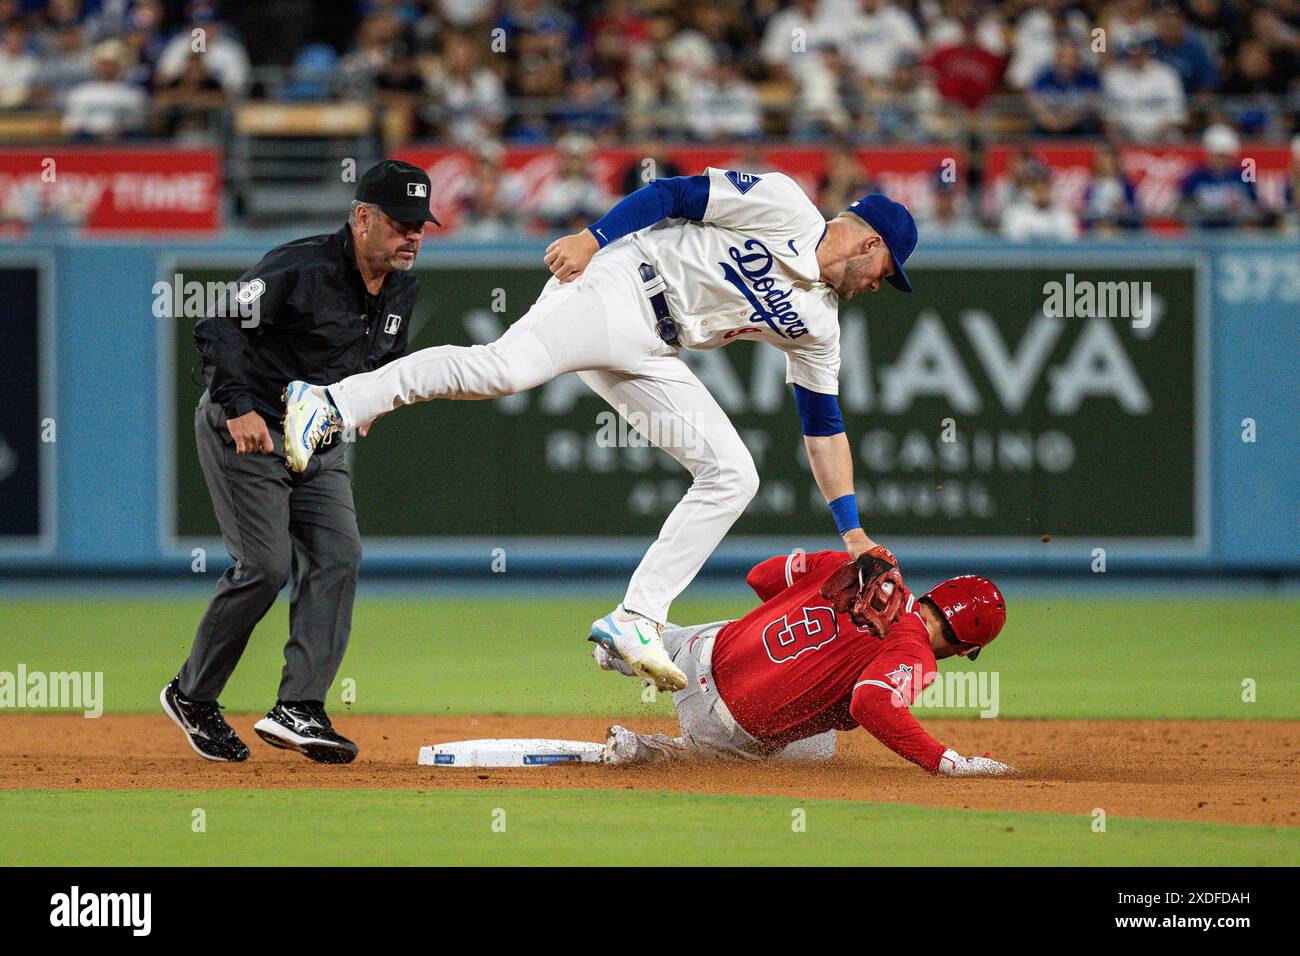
(1144, 98)
(1037, 215)
(1217, 194)
(19, 67)
(142, 33)
(224, 56)
(1065, 99)
(1181, 47)
(106, 107)
(1109, 201)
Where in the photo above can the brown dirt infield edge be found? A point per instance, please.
(1207, 771)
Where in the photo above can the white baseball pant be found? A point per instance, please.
(601, 326)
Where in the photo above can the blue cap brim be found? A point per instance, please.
(899, 279)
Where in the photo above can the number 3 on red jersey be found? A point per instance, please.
(786, 639)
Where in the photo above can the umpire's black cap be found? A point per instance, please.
(399, 189)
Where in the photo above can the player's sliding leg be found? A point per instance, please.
(708, 731)
(600, 321)
(674, 411)
(623, 747)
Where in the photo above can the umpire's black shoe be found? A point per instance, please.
(302, 725)
(206, 730)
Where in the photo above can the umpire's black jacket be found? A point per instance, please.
(315, 322)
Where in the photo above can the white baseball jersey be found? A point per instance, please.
(748, 270)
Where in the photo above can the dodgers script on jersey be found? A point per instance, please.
(749, 270)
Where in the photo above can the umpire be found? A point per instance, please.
(322, 308)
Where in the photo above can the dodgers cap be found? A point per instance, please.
(895, 225)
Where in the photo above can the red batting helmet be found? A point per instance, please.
(973, 607)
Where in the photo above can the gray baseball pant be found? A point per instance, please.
(708, 729)
(279, 527)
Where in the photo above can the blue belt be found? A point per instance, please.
(665, 326)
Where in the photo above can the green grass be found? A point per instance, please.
(1141, 658)
(401, 827)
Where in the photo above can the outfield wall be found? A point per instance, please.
(982, 421)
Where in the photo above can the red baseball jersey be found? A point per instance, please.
(792, 667)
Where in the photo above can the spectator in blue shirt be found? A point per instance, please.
(1178, 45)
(1065, 98)
(1219, 194)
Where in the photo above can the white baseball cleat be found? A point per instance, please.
(308, 419)
(639, 642)
(609, 662)
(621, 746)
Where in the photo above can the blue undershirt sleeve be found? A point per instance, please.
(678, 197)
(819, 413)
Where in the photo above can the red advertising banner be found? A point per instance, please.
(1155, 172)
(908, 174)
(123, 189)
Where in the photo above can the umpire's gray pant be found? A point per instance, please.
(277, 525)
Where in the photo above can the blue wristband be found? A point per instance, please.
(845, 510)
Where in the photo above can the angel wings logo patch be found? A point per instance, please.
(901, 678)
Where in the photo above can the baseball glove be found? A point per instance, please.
(869, 589)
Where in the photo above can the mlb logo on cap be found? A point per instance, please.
(400, 189)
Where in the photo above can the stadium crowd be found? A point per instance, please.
(836, 72)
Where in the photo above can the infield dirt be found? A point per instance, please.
(1208, 771)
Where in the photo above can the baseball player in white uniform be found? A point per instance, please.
(690, 262)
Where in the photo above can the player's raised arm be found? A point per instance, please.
(677, 197)
(832, 463)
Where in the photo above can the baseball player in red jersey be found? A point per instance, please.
(836, 644)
